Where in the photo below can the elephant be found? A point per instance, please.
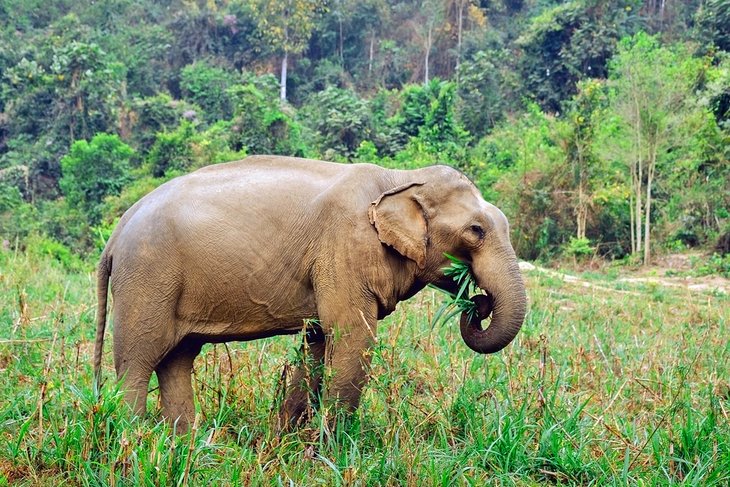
(262, 246)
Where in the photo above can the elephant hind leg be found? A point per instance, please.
(136, 358)
(176, 389)
(136, 380)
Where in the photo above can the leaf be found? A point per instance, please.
(459, 303)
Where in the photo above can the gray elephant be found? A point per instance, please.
(253, 248)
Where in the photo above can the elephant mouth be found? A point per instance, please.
(483, 307)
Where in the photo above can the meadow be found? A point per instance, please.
(609, 383)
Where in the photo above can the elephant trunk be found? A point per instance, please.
(505, 300)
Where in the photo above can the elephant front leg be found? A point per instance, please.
(306, 380)
(348, 359)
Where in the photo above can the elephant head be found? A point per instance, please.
(441, 213)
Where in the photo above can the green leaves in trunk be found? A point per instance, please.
(457, 303)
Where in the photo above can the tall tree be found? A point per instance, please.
(287, 25)
(650, 87)
(425, 26)
(583, 117)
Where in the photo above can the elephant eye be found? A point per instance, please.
(479, 231)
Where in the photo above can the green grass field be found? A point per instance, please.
(608, 384)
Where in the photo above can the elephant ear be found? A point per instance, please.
(401, 222)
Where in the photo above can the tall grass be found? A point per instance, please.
(602, 386)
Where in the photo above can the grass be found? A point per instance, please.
(601, 387)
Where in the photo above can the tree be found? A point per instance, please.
(714, 21)
(650, 86)
(93, 170)
(287, 25)
(341, 120)
(432, 15)
(583, 117)
(569, 41)
(485, 91)
(207, 86)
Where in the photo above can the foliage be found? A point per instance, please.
(713, 17)
(172, 150)
(517, 98)
(159, 113)
(208, 87)
(92, 170)
(458, 303)
(572, 40)
(578, 247)
(185, 149)
(484, 92)
(341, 120)
(261, 125)
(650, 88)
(427, 115)
(716, 264)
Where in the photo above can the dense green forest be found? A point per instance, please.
(601, 128)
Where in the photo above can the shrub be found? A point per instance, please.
(172, 151)
(208, 87)
(261, 125)
(341, 121)
(93, 170)
(578, 247)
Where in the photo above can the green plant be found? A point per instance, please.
(93, 170)
(457, 303)
(714, 264)
(578, 247)
(172, 150)
(208, 87)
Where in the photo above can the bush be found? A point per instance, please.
(260, 124)
(159, 113)
(716, 264)
(171, 151)
(208, 87)
(38, 245)
(93, 170)
(578, 247)
(341, 120)
(427, 116)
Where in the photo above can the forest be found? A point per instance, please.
(601, 128)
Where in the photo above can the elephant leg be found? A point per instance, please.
(134, 361)
(349, 363)
(350, 338)
(306, 379)
(176, 388)
(136, 379)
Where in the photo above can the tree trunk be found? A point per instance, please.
(284, 62)
(342, 53)
(631, 219)
(581, 212)
(460, 25)
(372, 52)
(636, 180)
(639, 166)
(647, 226)
(428, 53)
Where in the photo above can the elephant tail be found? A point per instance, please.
(102, 285)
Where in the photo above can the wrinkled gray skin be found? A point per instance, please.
(250, 249)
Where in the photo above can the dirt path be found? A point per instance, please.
(706, 284)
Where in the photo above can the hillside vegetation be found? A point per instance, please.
(599, 127)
